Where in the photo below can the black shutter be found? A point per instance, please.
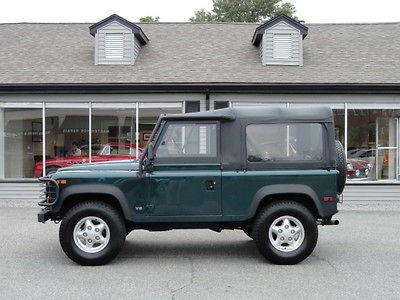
(221, 104)
(192, 106)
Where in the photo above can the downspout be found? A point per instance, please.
(207, 99)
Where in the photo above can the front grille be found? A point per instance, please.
(49, 192)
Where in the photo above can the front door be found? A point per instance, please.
(186, 179)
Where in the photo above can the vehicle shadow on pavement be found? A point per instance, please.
(243, 249)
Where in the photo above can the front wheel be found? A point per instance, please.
(285, 232)
(92, 233)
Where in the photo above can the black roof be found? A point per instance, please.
(267, 114)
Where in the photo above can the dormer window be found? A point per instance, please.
(117, 41)
(114, 46)
(280, 41)
(282, 46)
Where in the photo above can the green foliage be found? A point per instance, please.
(149, 19)
(286, 8)
(202, 16)
(244, 11)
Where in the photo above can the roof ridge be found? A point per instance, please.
(198, 23)
(141, 23)
(43, 23)
(357, 23)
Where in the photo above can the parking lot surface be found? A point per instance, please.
(360, 258)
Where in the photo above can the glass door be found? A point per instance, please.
(386, 148)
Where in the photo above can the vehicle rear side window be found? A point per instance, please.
(284, 142)
(188, 140)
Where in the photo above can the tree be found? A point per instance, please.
(202, 16)
(286, 8)
(149, 19)
(244, 11)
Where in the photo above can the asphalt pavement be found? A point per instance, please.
(360, 259)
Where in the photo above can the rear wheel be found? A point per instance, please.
(92, 233)
(285, 232)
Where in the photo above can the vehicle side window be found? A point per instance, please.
(188, 140)
(284, 142)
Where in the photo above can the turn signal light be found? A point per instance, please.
(62, 181)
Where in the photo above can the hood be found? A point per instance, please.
(120, 165)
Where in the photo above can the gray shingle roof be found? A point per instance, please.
(200, 53)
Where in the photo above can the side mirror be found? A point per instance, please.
(146, 160)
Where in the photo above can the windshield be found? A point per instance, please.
(96, 149)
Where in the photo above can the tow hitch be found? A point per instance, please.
(327, 222)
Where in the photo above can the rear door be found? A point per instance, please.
(280, 155)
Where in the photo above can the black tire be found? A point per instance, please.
(248, 231)
(264, 222)
(116, 226)
(51, 170)
(341, 167)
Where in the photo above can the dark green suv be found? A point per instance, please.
(274, 173)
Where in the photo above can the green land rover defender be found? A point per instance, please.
(274, 173)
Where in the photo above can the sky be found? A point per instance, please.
(92, 11)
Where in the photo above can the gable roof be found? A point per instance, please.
(260, 29)
(203, 54)
(136, 30)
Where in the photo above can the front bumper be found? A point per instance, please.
(50, 197)
(44, 215)
(50, 191)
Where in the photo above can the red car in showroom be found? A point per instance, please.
(358, 168)
(106, 152)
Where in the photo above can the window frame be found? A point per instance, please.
(188, 160)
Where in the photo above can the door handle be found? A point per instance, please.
(210, 185)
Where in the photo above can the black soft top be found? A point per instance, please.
(233, 122)
(267, 114)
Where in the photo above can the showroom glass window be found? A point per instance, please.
(372, 142)
(113, 131)
(20, 139)
(67, 135)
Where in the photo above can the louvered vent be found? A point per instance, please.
(282, 46)
(114, 45)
